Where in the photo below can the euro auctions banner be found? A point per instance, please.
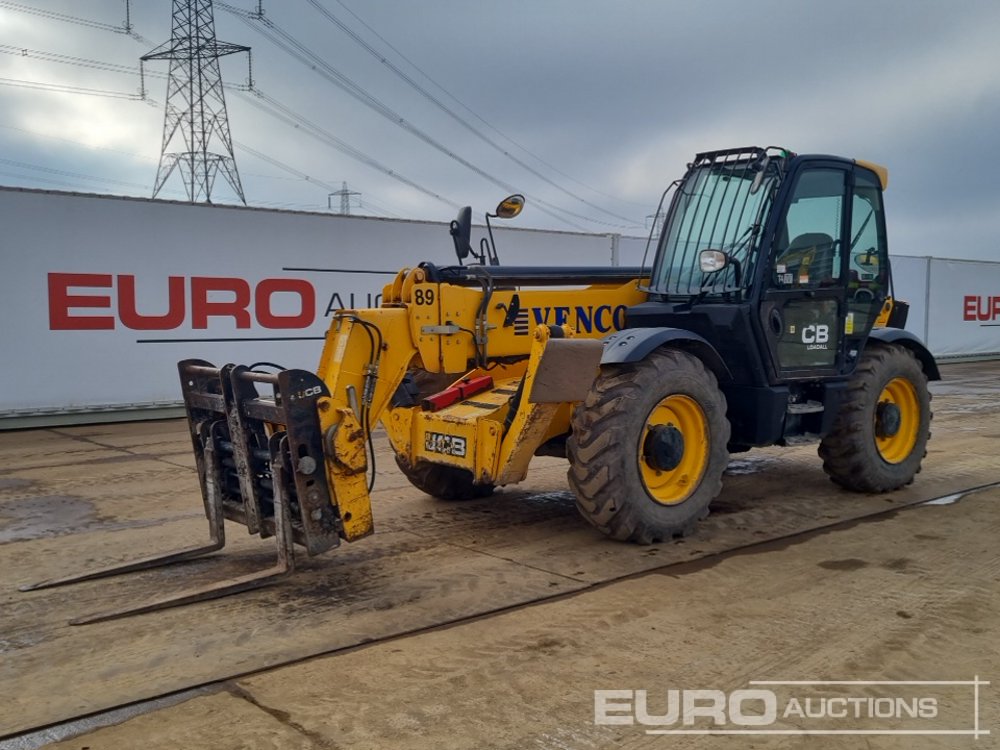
(963, 314)
(102, 296)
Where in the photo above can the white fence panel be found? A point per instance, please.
(963, 315)
(909, 278)
(103, 295)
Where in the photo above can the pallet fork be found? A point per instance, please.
(260, 463)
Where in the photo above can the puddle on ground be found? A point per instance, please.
(952, 499)
(14, 483)
(48, 515)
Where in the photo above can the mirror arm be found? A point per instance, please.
(738, 271)
(491, 247)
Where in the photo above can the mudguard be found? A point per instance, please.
(634, 344)
(911, 342)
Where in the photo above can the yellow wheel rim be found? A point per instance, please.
(897, 448)
(670, 487)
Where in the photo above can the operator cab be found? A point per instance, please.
(780, 262)
(788, 249)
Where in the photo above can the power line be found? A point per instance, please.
(450, 112)
(82, 62)
(51, 14)
(113, 67)
(313, 61)
(317, 132)
(47, 181)
(481, 119)
(66, 173)
(287, 115)
(143, 186)
(66, 89)
(370, 204)
(125, 28)
(281, 165)
(77, 143)
(352, 88)
(109, 67)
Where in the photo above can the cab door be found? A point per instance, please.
(803, 305)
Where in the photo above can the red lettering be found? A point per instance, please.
(130, 317)
(262, 303)
(995, 312)
(202, 308)
(969, 310)
(60, 302)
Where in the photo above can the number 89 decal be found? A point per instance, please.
(423, 296)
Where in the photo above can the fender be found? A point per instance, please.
(911, 342)
(635, 344)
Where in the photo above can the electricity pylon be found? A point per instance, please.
(196, 106)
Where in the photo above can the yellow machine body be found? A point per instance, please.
(434, 327)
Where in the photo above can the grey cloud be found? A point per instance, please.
(617, 96)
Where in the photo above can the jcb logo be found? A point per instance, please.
(306, 393)
(815, 334)
(449, 445)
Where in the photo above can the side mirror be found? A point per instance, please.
(510, 207)
(868, 260)
(461, 233)
(712, 261)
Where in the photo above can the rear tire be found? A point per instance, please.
(648, 447)
(879, 438)
(443, 482)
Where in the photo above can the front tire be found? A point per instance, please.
(648, 447)
(879, 438)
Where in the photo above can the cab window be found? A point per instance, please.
(810, 246)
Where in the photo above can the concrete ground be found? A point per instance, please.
(491, 624)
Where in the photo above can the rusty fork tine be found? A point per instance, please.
(217, 536)
(284, 566)
(113, 570)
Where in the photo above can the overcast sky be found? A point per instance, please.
(598, 104)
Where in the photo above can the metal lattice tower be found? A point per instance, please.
(345, 199)
(196, 105)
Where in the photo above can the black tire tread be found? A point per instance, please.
(594, 448)
(850, 456)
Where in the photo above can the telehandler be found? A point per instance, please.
(765, 318)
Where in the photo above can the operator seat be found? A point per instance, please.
(821, 266)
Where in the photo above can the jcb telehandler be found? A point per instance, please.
(766, 318)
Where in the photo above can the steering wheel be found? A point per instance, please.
(864, 295)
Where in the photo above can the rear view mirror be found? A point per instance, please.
(868, 260)
(510, 207)
(712, 261)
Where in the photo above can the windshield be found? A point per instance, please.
(716, 207)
